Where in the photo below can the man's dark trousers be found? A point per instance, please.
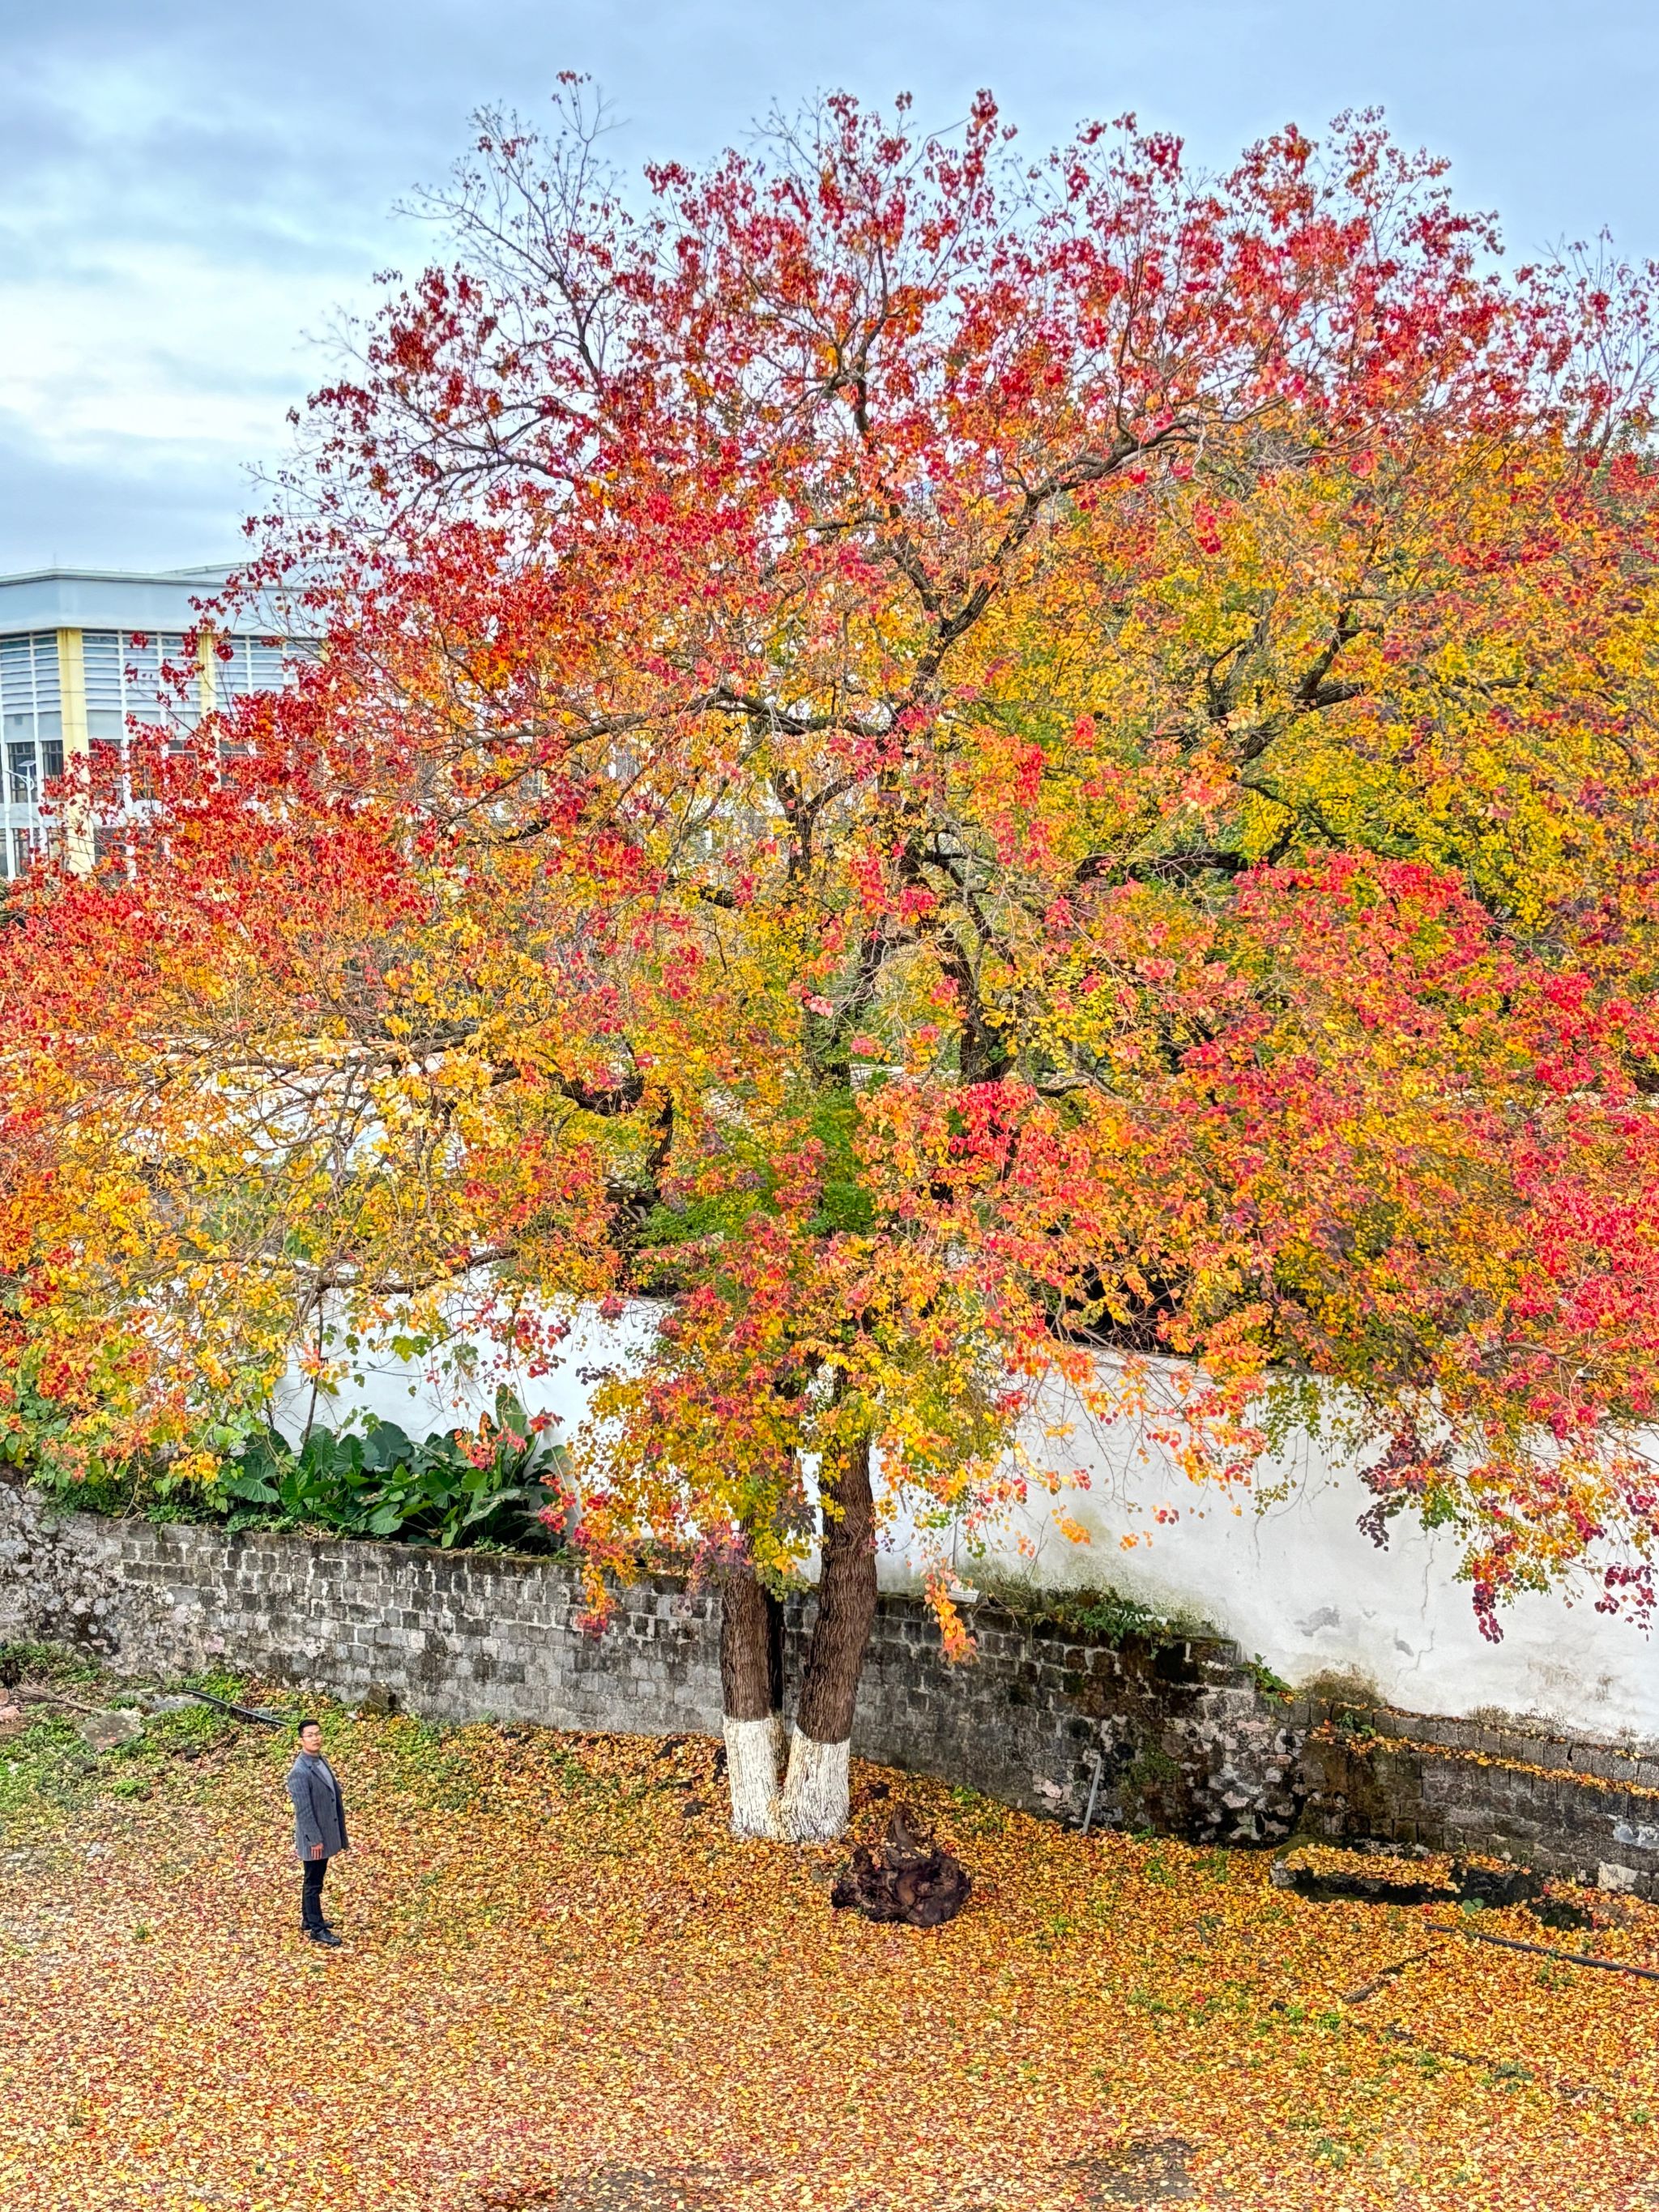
(311, 1897)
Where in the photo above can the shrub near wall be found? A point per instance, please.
(1190, 1740)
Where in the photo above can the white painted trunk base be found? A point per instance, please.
(816, 1804)
(752, 1749)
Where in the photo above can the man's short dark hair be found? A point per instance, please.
(305, 1724)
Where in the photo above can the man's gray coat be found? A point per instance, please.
(319, 1813)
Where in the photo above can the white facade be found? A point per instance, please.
(82, 654)
(1286, 1572)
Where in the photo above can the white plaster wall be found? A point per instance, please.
(421, 1397)
(1284, 1571)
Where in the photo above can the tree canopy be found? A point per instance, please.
(952, 764)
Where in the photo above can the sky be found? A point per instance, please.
(190, 194)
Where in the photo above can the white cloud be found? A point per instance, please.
(186, 189)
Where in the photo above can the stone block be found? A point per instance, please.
(104, 1731)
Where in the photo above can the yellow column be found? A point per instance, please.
(77, 746)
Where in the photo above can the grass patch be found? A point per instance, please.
(1098, 1613)
(48, 1771)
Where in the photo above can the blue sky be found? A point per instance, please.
(188, 191)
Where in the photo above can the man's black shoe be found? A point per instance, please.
(323, 1935)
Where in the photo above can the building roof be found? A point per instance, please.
(108, 598)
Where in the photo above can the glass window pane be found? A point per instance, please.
(105, 765)
(16, 675)
(140, 770)
(265, 660)
(24, 776)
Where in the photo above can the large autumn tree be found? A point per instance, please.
(948, 767)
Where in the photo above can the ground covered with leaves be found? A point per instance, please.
(564, 1988)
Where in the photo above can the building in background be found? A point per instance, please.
(81, 655)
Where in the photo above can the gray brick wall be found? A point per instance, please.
(1186, 1741)
(1589, 1811)
(453, 1636)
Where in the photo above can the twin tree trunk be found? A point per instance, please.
(751, 1691)
(813, 1804)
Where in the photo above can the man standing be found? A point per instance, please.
(320, 1829)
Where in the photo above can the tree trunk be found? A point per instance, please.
(751, 1694)
(815, 1803)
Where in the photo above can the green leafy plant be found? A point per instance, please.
(1150, 1770)
(1266, 1681)
(486, 1487)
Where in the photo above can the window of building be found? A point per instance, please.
(124, 684)
(245, 665)
(31, 742)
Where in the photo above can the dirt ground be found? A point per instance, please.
(563, 1986)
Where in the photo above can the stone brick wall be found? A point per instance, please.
(453, 1636)
(1174, 1736)
(1589, 1811)
(1185, 1742)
